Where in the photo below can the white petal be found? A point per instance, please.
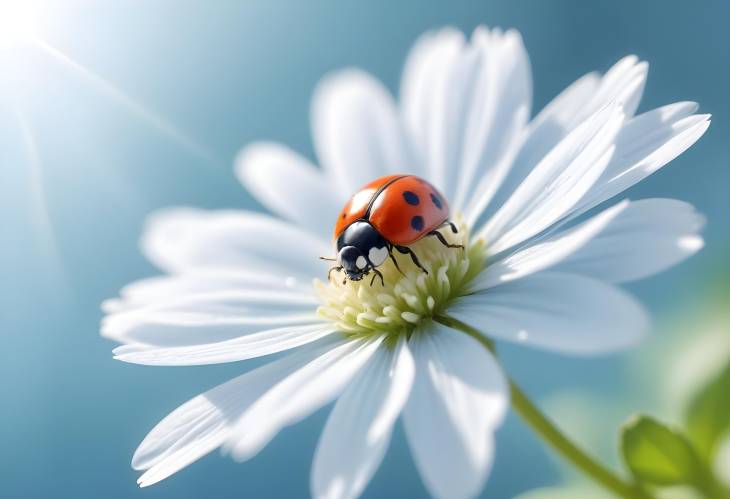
(358, 430)
(495, 118)
(458, 398)
(545, 253)
(299, 395)
(623, 83)
(556, 183)
(186, 239)
(645, 144)
(561, 113)
(202, 424)
(357, 133)
(556, 311)
(423, 92)
(210, 317)
(648, 237)
(290, 186)
(246, 347)
(551, 126)
(167, 288)
(487, 186)
(466, 106)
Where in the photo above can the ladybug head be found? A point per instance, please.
(360, 248)
(353, 262)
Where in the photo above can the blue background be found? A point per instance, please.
(225, 74)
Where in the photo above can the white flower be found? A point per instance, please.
(243, 285)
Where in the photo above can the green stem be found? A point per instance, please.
(531, 414)
(543, 427)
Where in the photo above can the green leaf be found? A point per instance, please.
(708, 415)
(657, 454)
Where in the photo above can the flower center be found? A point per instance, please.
(406, 299)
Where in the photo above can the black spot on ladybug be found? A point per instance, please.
(411, 197)
(417, 222)
(343, 216)
(436, 200)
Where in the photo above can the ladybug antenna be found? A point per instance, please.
(328, 258)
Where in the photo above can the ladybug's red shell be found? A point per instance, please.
(402, 208)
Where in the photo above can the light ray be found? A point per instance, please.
(42, 223)
(17, 22)
(111, 90)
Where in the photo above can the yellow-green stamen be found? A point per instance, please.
(398, 306)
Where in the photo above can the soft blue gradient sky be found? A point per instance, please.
(202, 79)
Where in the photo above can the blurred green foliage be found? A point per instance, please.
(657, 454)
(683, 376)
(708, 414)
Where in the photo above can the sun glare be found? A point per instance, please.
(17, 22)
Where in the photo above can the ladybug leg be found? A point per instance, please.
(452, 225)
(395, 262)
(408, 251)
(329, 274)
(377, 274)
(443, 240)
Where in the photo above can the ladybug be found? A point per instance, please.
(389, 213)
